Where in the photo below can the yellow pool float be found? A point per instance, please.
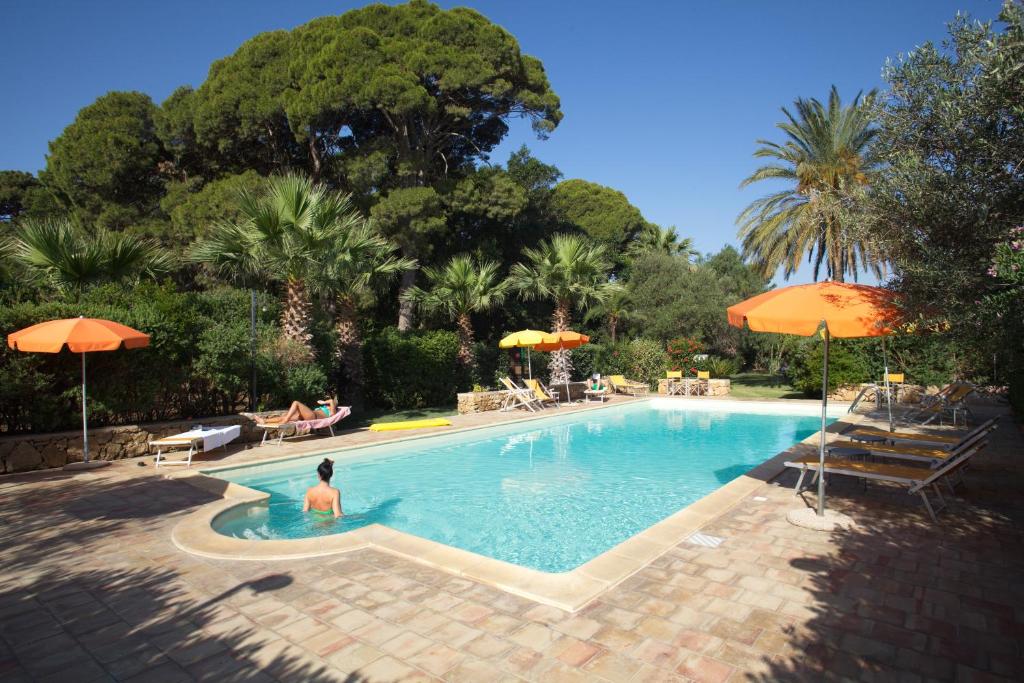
(410, 424)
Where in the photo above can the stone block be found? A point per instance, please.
(23, 458)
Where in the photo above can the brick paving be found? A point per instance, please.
(91, 588)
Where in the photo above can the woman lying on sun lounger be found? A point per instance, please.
(300, 411)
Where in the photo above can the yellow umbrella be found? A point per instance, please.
(526, 339)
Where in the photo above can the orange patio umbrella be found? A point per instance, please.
(561, 341)
(839, 309)
(558, 341)
(78, 335)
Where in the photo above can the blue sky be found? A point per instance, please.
(662, 100)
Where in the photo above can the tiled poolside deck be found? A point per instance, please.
(91, 588)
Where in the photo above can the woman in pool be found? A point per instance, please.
(300, 411)
(323, 499)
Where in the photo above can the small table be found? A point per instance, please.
(196, 440)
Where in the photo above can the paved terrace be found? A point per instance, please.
(91, 588)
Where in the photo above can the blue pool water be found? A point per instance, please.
(548, 495)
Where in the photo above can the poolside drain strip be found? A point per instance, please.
(705, 540)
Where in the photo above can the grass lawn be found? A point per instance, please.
(366, 418)
(756, 385)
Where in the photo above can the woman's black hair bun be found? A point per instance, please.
(326, 469)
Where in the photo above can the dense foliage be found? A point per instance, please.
(951, 138)
(341, 172)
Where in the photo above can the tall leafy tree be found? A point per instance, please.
(825, 161)
(356, 265)
(616, 311)
(458, 289)
(951, 188)
(106, 164)
(287, 231)
(572, 272)
(71, 260)
(379, 101)
(604, 214)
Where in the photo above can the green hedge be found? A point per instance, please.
(413, 369)
(197, 363)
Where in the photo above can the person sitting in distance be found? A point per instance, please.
(323, 499)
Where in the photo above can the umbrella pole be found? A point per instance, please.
(888, 388)
(821, 445)
(85, 419)
(529, 363)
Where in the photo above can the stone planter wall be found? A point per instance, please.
(907, 393)
(480, 401)
(41, 451)
(716, 387)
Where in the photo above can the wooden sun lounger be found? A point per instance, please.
(625, 386)
(916, 479)
(932, 455)
(947, 441)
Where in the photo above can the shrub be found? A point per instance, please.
(680, 352)
(722, 367)
(847, 365)
(646, 360)
(414, 369)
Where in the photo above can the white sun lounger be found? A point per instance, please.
(203, 439)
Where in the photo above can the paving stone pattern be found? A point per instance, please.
(92, 589)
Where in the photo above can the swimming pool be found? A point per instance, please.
(548, 495)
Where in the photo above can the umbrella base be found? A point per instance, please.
(808, 518)
(91, 465)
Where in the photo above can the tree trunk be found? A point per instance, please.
(405, 308)
(349, 354)
(297, 315)
(560, 367)
(613, 323)
(465, 326)
(314, 157)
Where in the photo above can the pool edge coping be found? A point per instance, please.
(570, 591)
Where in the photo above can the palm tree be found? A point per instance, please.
(654, 238)
(571, 271)
(71, 260)
(461, 287)
(827, 161)
(357, 264)
(284, 235)
(616, 310)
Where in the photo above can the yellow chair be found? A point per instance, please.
(703, 385)
(542, 393)
(676, 385)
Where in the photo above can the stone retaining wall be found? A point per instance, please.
(40, 451)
